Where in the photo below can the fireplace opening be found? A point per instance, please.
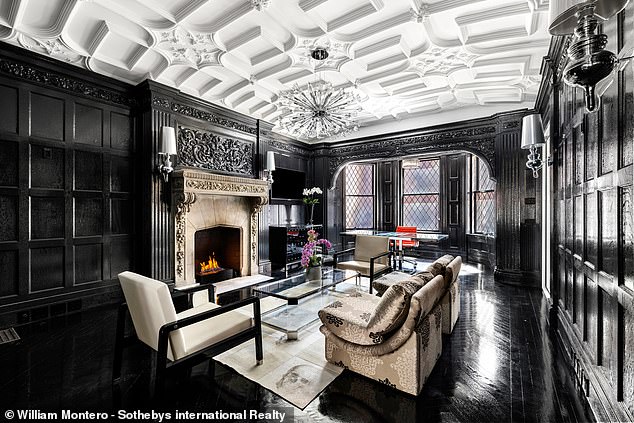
(217, 254)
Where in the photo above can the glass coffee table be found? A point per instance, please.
(303, 299)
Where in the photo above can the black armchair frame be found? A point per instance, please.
(162, 364)
(372, 274)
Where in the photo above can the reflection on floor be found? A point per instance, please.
(498, 365)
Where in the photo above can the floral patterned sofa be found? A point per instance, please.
(396, 338)
(449, 267)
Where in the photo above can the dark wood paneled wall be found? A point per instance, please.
(163, 106)
(67, 189)
(593, 273)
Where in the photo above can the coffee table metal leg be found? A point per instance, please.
(292, 335)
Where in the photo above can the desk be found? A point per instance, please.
(397, 237)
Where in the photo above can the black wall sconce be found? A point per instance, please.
(588, 62)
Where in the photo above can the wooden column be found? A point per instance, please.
(511, 198)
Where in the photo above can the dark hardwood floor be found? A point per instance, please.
(499, 364)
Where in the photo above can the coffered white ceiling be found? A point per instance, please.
(416, 63)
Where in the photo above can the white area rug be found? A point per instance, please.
(295, 370)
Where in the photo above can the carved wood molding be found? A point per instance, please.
(201, 114)
(479, 141)
(205, 150)
(63, 82)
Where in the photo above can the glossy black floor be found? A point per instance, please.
(498, 365)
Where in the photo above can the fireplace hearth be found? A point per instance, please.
(217, 253)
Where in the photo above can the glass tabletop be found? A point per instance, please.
(297, 287)
(415, 236)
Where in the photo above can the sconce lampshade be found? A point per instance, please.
(270, 161)
(168, 140)
(532, 131)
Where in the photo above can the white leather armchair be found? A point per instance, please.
(178, 338)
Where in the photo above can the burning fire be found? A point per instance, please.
(210, 266)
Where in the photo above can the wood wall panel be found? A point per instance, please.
(47, 268)
(9, 218)
(47, 217)
(120, 174)
(608, 146)
(47, 167)
(88, 215)
(626, 254)
(121, 131)
(88, 125)
(626, 97)
(593, 154)
(58, 178)
(608, 230)
(9, 107)
(88, 261)
(578, 142)
(9, 271)
(9, 160)
(593, 129)
(120, 255)
(47, 117)
(592, 319)
(88, 171)
(592, 228)
(121, 216)
(579, 235)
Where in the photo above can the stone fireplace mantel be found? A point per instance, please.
(203, 199)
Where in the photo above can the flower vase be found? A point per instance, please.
(313, 273)
(312, 211)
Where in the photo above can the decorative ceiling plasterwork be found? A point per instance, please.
(413, 60)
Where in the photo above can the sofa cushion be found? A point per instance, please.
(391, 311)
(438, 266)
(363, 322)
(423, 277)
(384, 282)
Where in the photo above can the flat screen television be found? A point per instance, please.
(288, 184)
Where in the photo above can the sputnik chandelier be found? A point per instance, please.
(318, 110)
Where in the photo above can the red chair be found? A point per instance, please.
(406, 243)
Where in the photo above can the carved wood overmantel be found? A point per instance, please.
(190, 187)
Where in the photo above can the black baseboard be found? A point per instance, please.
(517, 278)
(58, 306)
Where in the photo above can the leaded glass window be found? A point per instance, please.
(359, 196)
(421, 195)
(483, 200)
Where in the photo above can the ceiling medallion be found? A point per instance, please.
(260, 5)
(318, 110)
